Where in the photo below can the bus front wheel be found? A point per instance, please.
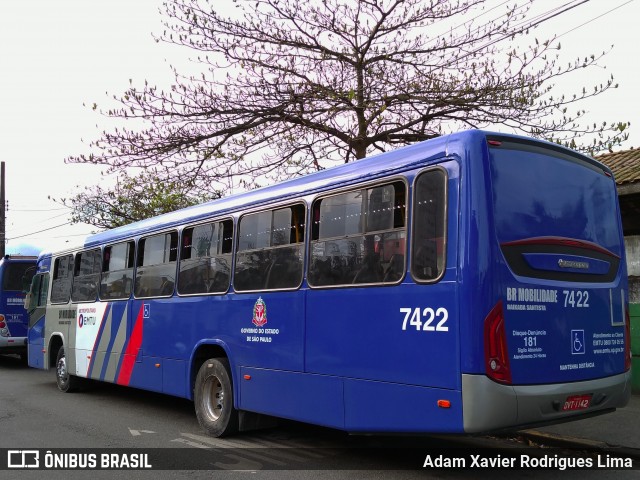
(66, 382)
(213, 398)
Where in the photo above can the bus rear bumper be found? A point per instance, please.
(13, 344)
(489, 406)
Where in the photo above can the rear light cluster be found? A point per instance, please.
(4, 330)
(627, 341)
(495, 346)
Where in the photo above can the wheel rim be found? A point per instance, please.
(213, 398)
(61, 370)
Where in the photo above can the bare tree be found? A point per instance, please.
(285, 87)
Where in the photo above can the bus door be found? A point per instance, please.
(266, 319)
(150, 322)
(36, 304)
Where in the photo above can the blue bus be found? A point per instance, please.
(16, 272)
(471, 283)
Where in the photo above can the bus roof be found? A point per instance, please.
(369, 168)
(22, 258)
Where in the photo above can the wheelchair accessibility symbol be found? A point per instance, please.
(577, 342)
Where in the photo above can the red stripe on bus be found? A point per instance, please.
(130, 354)
(95, 342)
(560, 241)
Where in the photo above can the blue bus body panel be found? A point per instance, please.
(35, 344)
(393, 407)
(386, 358)
(547, 345)
(12, 307)
(297, 396)
(388, 333)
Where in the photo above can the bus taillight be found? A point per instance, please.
(627, 340)
(495, 346)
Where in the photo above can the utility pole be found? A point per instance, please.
(3, 237)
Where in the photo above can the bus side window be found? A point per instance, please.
(270, 250)
(359, 237)
(205, 258)
(156, 272)
(86, 276)
(116, 281)
(429, 226)
(62, 277)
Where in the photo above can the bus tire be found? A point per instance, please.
(213, 398)
(66, 382)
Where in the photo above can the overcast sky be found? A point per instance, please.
(58, 55)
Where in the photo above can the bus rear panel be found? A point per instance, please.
(556, 333)
(15, 276)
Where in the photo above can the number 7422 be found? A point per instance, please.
(424, 319)
(576, 298)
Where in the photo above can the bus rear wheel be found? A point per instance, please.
(66, 382)
(213, 398)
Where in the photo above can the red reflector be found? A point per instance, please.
(247, 377)
(496, 354)
(444, 403)
(494, 143)
(2, 324)
(559, 241)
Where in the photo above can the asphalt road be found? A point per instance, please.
(35, 415)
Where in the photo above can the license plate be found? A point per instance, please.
(576, 402)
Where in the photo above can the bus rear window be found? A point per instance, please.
(537, 193)
(17, 275)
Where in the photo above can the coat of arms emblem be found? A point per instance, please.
(259, 313)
